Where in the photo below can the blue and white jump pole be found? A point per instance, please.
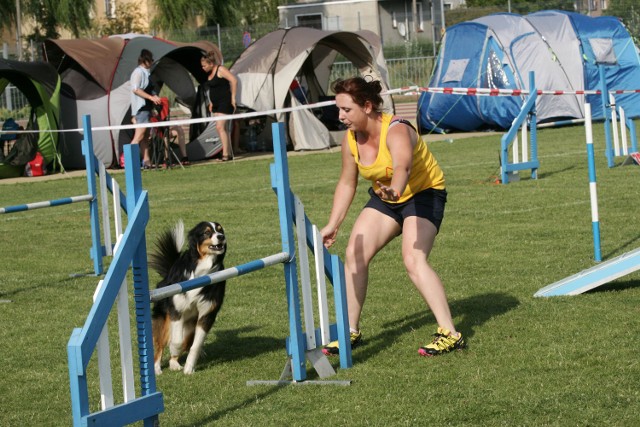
(595, 222)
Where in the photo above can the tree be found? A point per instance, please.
(127, 19)
(629, 13)
(256, 11)
(176, 14)
(52, 15)
(8, 15)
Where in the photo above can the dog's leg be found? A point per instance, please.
(196, 348)
(161, 332)
(175, 346)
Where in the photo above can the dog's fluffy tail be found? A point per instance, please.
(167, 249)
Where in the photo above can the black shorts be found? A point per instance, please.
(427, 204)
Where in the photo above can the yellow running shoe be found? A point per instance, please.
(332, 349)
(443, 342)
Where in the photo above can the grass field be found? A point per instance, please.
(531, 361)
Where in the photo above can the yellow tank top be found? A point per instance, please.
(425, 171)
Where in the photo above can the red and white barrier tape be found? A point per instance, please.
(410, 90)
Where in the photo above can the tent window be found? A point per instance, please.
(495, 77)
(312, 20)
(455, 70)
(603, 51)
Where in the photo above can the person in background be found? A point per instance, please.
(143, 100)
(407, 198)
(221, 85)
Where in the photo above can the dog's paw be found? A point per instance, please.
(157, 368)
(174, 365)
(188, 369)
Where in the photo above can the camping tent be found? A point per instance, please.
(95, 80)
(300, 59)
(40, 84)
(563, 49)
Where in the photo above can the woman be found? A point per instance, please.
(221, 85)
(407, 198)
(143, 99)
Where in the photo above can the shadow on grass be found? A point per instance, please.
(623, 246)
(616, 286)
(547, 174)
(29, 289)
(232, 345)
(475, 311)
(216, 415)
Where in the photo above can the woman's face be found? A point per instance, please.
(351, 114)
(206, 65)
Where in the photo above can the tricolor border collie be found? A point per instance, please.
(184, 320)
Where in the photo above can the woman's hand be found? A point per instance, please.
(329, 235)
(387, 193)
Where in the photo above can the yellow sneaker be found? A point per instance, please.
(443, 342)
(332, 349)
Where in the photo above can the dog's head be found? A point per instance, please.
(207, 239)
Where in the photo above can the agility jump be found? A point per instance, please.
(131, 251)
(106, 184)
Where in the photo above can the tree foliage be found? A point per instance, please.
(251, 12)
(176, 14)
(629, 13)
(127, 19)
(52, 15)
(8, 15)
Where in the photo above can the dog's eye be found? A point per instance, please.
(218, 228)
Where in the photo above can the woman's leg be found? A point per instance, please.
(371, 232)
(140, 137)
(418, 236)
(221, 127)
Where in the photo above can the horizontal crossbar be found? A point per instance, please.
(47, 204)
(218, 276)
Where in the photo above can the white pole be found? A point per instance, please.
(104, 363)
(104, 204)
(323, 308)
(305, 275)
(614, 125)
(525, 138)
(623, 132)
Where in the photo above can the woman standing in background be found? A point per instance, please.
(221, 86)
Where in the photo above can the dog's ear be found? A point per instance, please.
(194, 242)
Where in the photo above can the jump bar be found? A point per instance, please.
(218, 276)
(46, 204)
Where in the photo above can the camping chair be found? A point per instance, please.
(161, 139)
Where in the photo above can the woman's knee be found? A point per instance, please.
(414, 261)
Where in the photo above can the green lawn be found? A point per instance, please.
(531, 361)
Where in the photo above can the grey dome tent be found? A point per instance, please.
(304, 56)
(95, 80)
(563, 49)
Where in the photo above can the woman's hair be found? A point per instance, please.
(212, 56)
(145, 56)
(360, 90)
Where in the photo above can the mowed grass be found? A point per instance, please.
(531, 361)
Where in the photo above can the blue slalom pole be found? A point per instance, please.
(595, 222)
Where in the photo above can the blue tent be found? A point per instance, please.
(563, 49)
